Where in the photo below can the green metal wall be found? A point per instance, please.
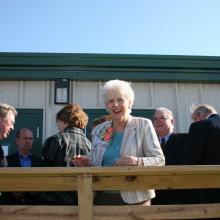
(96, 67)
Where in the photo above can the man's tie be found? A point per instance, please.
(162, 142)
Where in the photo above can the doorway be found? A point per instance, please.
(95, 113)
(26, 118)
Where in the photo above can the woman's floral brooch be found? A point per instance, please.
(106, 134)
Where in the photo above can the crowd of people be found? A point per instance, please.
(118, 139)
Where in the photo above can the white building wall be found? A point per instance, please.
(178, 97)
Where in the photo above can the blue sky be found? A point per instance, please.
(168, 27)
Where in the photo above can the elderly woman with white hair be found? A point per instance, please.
(123, 141)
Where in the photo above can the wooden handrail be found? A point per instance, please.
(110, 178)
(85, 180)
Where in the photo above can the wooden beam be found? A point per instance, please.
(114, 178)
(129, 212)
(136, 182)
(31, 183)
(85, 197)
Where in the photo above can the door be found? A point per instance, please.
(26, 118)
(95, 113)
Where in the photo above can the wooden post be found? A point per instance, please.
(85, 197)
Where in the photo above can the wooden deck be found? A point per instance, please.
(87, 180)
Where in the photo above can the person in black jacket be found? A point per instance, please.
(204, 145)
(23, 158)
(173, 145)
(59, 149)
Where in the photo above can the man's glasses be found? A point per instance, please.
(162, 118)
(9, 122)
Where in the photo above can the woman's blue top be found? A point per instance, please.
(112, 152)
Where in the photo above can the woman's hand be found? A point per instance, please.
(127, 161)
(80, 161)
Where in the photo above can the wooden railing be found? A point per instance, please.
(88, 180)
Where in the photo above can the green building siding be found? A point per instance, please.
(95, 67)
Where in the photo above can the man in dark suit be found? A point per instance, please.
(204, 145)
(204, 136)
(23, 158)
(172, 145)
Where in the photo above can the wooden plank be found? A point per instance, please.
(110, 171)
(127, 178)
(157, 212)
(156, 182)
(85, 197)
(131, 212)
(20, 212)
(85, 180)
(152, 170)
(23, 183)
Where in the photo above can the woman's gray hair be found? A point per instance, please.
(119, 85)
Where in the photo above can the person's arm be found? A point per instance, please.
(147, 145)
(152, 152)
(81, 161)
(49, 151)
